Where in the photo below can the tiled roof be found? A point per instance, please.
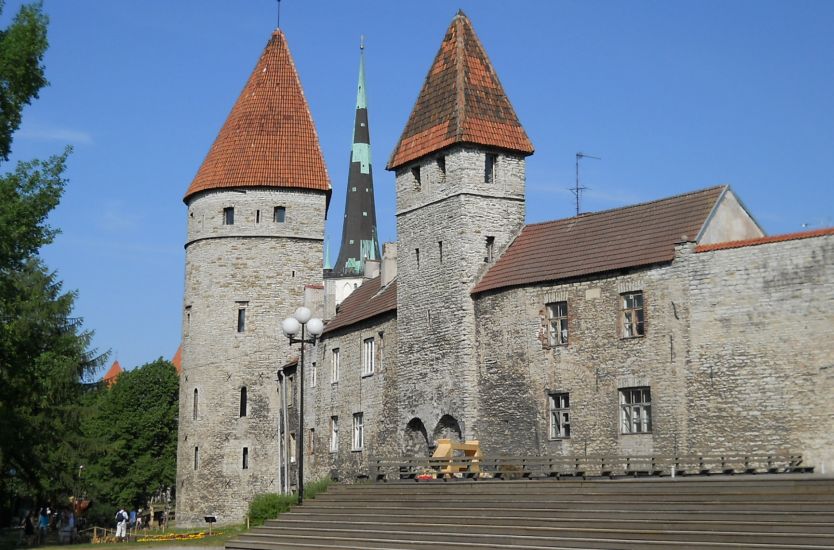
(269, 138)
(632, 236)
(363, 303)
(462, 101)
(765, 240)
(110, 376)
(176, 360)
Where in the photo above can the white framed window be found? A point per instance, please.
(559, 405)
(358, 431)
(368, 356)
(631, 314)
(635, 410)
(557, 321)
(334, 434)
(335, 365)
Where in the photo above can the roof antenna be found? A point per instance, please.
(577, 188)
(278, 16)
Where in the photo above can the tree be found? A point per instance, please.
(44, 352)
(132, 430)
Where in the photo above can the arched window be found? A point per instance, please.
(243, 399)
(196, 404)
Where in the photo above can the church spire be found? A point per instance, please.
(359, 236)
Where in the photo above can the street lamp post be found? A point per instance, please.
(302, 320)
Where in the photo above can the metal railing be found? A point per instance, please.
(584, 466)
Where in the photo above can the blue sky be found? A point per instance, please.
(674, 96)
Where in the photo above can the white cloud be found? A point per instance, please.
(45, 133)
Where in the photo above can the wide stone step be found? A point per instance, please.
(575, 496)
(612, 522)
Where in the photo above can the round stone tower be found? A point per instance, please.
(256, 212)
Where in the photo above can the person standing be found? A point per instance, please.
(121, 524)
(43, 525)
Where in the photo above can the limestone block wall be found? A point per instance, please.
(517, 369)
(761, 370)
(445, 228)
(372, 395)
(260, 267)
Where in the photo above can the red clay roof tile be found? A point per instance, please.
(363, 303)
(765, 240)
(269, 139)
(462, 101)
(622, 238)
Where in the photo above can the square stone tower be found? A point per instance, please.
(459, 168)
(256, 212)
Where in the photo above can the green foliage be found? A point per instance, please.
(268, 506)
(131, 436)
(22, 46)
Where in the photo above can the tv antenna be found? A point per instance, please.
(577, 190)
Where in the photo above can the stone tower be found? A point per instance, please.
(459, 168)
(359, 232)
(256, 212)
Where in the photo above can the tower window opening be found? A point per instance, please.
(241, 319)
(245, 458)
(196, 457)
(417, 255)
(243, 401)
(229, 215)
(490, 249)
(415, 174)
(279, 214)
(440, 250)
(196, 404)
(441, 167)
(257, 216)
(489, 167)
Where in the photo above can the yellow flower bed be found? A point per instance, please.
(176, 536)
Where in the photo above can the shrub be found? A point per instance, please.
(314, 488)
(267, 506)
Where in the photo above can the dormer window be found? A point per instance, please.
(229, 215)
(489, 167)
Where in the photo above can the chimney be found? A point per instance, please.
(389, 263)
(371, 269)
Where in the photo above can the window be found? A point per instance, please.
(245, 458)
(417, 255)
(314, 375)
(290, 388)
(415, 174)
(229, 216)
(631, 318)
(559, 415)
(557, 320)
(257, 216)
(358, 431)
(279, 214)
(187, 320)
(243, 401)
(293, 452)
(635, 410)
(368, 356)
(440, 250)
(335, 365)
(194, 412)
(241, 319)
(311, 438)
(441, 167)
(490, 249)
(489, 167)
(379, 349)
(334, 434)
(196, 457)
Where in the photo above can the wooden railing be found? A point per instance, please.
(584, 466)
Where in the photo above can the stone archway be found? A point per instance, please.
(447, 428)
(415, 438)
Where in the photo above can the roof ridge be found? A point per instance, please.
(629, 206)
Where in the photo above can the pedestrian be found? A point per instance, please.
(121, 525)
(43, 525)
(28, 529)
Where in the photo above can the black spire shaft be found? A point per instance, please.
(359, 236)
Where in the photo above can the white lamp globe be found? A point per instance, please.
(302, 314)
(290, 326)
(315, 326)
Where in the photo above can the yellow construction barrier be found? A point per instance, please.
(449, 450)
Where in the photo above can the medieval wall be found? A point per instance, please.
(259, 266)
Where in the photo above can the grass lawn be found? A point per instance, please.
(218, 538)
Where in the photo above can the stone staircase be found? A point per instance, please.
(766, 511)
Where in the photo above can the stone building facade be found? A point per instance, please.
(674, 326)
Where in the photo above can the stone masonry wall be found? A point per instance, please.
(761, 370)
(261, 267)
(448, 220)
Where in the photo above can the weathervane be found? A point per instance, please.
(577, 189)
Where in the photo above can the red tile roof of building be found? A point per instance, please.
(765, 240)
(176, 360)
(462, 101)
(269, 139)
(110, 376)
(632, 236)
(365, 302)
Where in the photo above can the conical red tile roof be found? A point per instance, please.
(110, 376)
(269, 138)
(462, 101)
(176, 360)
